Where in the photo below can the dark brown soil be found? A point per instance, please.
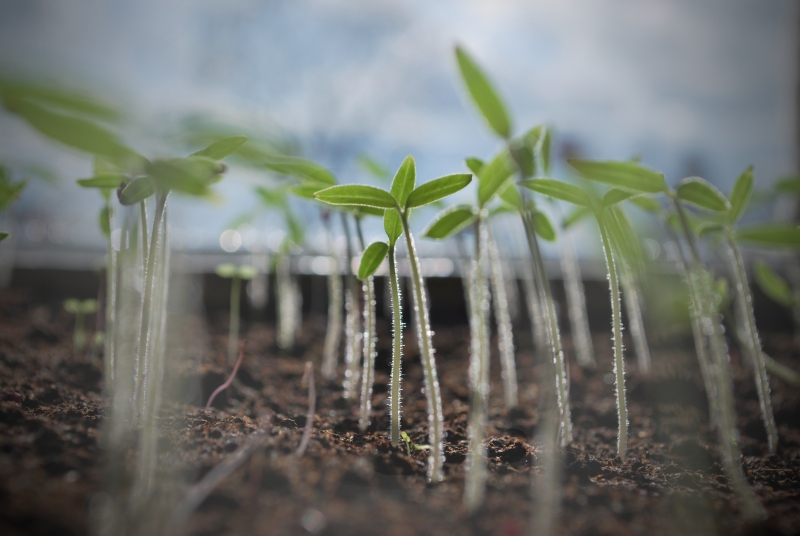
(51, 409)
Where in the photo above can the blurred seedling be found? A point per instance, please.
(236, 274)
(9, 191)
(80, 308)
(411, 445)
(398, 204)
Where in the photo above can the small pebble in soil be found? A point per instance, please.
(313, 520)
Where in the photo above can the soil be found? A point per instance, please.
(52, 408)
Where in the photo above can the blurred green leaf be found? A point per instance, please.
(72, 305)
(705, 227)
(522, 154)
(474, 165)
(373, 167)
(510, 195)
(788, 185)
(3, 236)
(493, 175)
(623, 237)
(703, 194)
(190, 175)
(450, 221)
(616, 195)
(371, 259)
(357, 194)
(297, 232)
(559, 190)
(740, 195)
(88, 306)
(483, 94)
(226, 270)
(104, 223)
(137, 190)
(108, 180)
(577, 215)
(647, 204)
(247, 271)
(771, 235)
(544, 152)
(300, 168)
(629, 175)
(772, 284)
(58, 98)
(275, 198)
(307, 189)
(437, 189)
(222, 148)
(543, 227)
(9, 191)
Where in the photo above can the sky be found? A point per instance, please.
(689, 86)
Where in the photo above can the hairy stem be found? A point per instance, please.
(368, 342)
(435, 418)
(633, 305)
(619, 358)
(352, 329)
(752, 340)
(504, 330)
(397, 346)
(475, 486)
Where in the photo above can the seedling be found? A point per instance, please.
(235, 274)
(398, 205)
(80, 309)
(411, 445)
(9, 191)
(522, 151)
(227, 382)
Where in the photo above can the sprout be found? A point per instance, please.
(235, 274)
(80, 309)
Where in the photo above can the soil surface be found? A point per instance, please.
(52, 409)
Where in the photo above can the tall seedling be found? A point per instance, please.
(235, 274)
(425, 194)
(522, 152)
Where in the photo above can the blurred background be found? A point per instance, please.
(692, 88)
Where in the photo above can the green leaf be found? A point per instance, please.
(72, 306)
(247, 271)
(543, 227)
(623, 237)
(544, 153)
(275, 198)
(493, 175)
(703, 194)
(558, 189)
(373, 167)
(533, 136)
(450, 221)
(740, 195)
(103, 221)
(616, 195)
(190, 175)
(359, 211)
(522, 153)
(3, 236)
(88, 306)
(647, 204)
(483, 94)
(629, 175)
(706, 227)
(510, 195)
(402, 185)
(474, 165)
(226, 270)
(9, 191)
(772, 284)
(137, 190)
(788, 185)
(358, 195)
(437, 189)
(770, 235)
(307, 189)
(72, 131)
(108, 180)
(371, 259)
(577, 215)
(297, 232)
(300, 168)
(58, 98)
(222, 148)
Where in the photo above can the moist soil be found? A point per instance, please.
(347, 482)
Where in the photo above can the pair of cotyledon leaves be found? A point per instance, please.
(396, 204)
(191, 175)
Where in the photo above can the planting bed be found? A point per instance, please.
(51, 410)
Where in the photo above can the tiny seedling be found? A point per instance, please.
(411, 445)
(80, 309)
(235, 274)
(227, 382)
(398, 209)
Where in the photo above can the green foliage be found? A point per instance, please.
(450, 221)
(559, 190)
(773, 285)
(357, 195)
(493, 176)
(58, 98)
(543, 227)
(275, 197)
(137, 190)
(103, 222)
(740, 195)
(788, 185)
(373, 167)
(9, 191)
(191, 175)
(300, 168)
(228, 271)
(629, 175)
(474, 165)
(577, 215)
(437, 189)
(617, 195)
(522, 153)
(3, 236)
(648, 204)
(222, 148)
(75, 306)
(402, 185)
(544, 152)
(483, 94)
(105, 181)
(703, 194)
(770, 235)
(372, 258)
(509, 195)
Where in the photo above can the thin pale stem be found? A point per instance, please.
(397, 347)
(333, 334)
(352, 330)
(752, 340)
(633, 306)
(369, 342)
(286, 306)
(576, 304)
(435, 418)
(143, 218)
(504, 329)
(110, 306)
(619, 359)
(233, 328)
(308, 378)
